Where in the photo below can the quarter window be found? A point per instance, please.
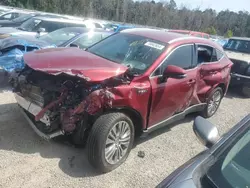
(219, 54)
(180, 57)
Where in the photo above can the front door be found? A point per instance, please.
(173, 95)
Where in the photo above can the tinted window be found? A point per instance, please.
(134, 51)
(50, 26)
(232, 168)
(181, 57)
(30, 24)
(6, 16)
(59, 36)
(238, 45)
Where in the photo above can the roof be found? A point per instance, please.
(155, 34)
(64, 20)
(84, 29)
(240, 38)
(170, 37)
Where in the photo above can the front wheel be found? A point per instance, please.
(213, 103)
(110, 141)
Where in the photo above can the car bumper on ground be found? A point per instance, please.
(26, 107)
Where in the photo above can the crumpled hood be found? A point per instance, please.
(73, 61)
(238, 56)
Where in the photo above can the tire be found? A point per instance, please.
(100, 136)
(78, 138)
(207, 112)
(245, 90)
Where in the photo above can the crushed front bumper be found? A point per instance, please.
(27, 106)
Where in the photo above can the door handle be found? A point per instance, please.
(191, 81)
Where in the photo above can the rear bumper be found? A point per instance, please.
(238, 79)
(25, 107)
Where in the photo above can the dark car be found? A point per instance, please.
(17, 21)
(238, 50)
(129, 84)
(39, 25)
(225, 164)
(75, 37)
(10, 15)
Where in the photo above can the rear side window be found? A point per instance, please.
(219, 54)
(181, 57)
(208, 54)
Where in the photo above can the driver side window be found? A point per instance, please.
(181, 56)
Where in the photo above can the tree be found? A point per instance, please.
(160, 13)
(229, 34)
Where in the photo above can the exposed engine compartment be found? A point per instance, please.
(64, 99)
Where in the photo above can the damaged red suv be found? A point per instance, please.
(127, 85)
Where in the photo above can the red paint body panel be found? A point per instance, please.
(73, 61)
(154, 101)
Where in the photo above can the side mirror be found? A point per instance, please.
(174, 72)
(73, 45)
(206, 132)
(41, 30)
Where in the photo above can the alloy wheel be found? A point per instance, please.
(214, 102)
(117, 142)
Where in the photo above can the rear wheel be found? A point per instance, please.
(213, 103)
(110, 141)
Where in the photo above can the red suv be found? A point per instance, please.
(127, 85)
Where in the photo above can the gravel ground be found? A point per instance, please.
(28, 161)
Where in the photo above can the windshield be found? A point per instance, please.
(238, 45)
(232, 168)
(136, 52)
(59, 36)
(30, 24)
(22, 18)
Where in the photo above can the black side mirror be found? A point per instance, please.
(73, 45)
(206, 132)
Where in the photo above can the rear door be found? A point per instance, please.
(173, 95)
(213, 68)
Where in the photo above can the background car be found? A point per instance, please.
(192, 33)
(40, 25)
(238, 50)
(10, 15)
(13, 47)
(224, 164)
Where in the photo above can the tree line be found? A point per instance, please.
(163, 14)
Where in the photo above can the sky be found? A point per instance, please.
(218, 5)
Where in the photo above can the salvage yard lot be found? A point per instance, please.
(28, 161)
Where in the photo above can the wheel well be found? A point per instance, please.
(223, 87)
(134, 116)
